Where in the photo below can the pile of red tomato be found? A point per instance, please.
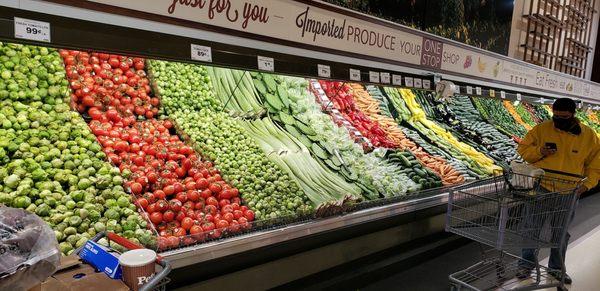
(185, 197)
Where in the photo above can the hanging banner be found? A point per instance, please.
(318, 25)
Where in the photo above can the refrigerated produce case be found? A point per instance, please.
(295, 245)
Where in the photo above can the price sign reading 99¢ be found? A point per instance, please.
(32, 29)
(266, 64)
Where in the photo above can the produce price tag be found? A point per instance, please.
(408, 81)
(426, 84)
(397, 80)
(518, 96)
(266, 64)
(469, 90)
(373, 77)
(492, 93)
(201, 53)
(354, 75)
(317, 85)
(418, 83)
(478, 91)
(502, 94)
(385, 78)
(324, 71)
(437, 78)
(32, 29)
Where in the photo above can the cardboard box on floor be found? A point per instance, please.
(73, 275)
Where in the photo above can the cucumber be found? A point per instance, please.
(327, 146)
(349, 174)
(305, 141)
(293, 131)
(420, 172)
(260, 86)
(274, 101)
(305, 129)
(286, 118)
(283, 96)
(336, 161)
(331, 165)
(319, 151)
(314, 138)
(270, 82)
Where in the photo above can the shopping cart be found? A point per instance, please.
(159, 281)
(509, 213)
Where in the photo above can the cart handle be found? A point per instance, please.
(166, 267)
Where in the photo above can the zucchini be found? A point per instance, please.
(304, 128)
(332, 165)
(283, 96)
(327, 146)
(336, 161)
(314, 138)
(349, 174)
(274, 102)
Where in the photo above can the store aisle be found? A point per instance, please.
(583, 258)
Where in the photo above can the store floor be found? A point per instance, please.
(583, 258)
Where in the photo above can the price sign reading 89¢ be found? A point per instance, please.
(201, 53)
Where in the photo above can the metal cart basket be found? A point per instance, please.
(509, 213)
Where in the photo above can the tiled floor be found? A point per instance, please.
(583, 258)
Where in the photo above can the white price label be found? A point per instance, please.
(354, 75)
(266, 64)
(518, 96)
(32, 29)
(418, 83)
(397, 80)
(478, 91)
(201, 53)
(426, 84)
(502, 94)
(385, 78)
(317, 85)
(469, 90)
(437, 78)
(324, 71)
(409, 81)
(373, 77)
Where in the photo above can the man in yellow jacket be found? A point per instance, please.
(561, 145)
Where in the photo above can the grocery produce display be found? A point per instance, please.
(50, 162)
(494, 112)
(266, 188)
(172, 154)
(519, 116)
(479, 164)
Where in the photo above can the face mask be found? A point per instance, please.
(568, 124)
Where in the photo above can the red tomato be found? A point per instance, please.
(226, 209)
(234, 226)
(159, 194)
(199, 205)
(243, 208)
(228, 216)
(209, 217)
(187, 223)
(178, 231)
(152, 177)
(156, 217)
(236, 200)
(193, 196)
(235, 206)
(249, 214)
(243, 223)
(201, 184)
(210, 209)
(182, 196)
(181, 172)
(237, 214)
(178, 187)
(162, 205)
(212, 201)
(215, 188)
(150, 198)
(169, 216)
(225, 194)
(169, 190)
(173, 241)
(208, 226)
(136, 188)
(175, 205)
(195, 229)
(222, 224)
(180, 216)
(224, 202)
(190, 185)
(142, 202)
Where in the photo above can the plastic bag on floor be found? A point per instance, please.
(29, 251)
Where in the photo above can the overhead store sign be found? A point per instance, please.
(316, 25)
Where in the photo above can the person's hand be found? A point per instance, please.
(581, 190)
(547, 151)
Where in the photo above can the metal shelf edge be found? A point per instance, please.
(209, 251)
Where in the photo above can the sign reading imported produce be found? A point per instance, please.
(320, 26)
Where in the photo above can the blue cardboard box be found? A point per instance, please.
(102, 259)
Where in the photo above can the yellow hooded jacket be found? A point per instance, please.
(576, 154)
